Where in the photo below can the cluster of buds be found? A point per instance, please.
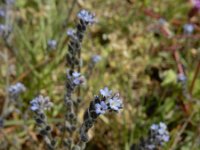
(39, 105)
(104, 102)
(74, 80)
(15, 90)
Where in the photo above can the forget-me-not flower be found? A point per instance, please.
(105, 92)
(115, 103)
(86, 16)
(100, 108)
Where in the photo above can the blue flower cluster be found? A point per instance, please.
(40, 103)
(16, 89)
(86, 16)
(158, 136)
(108, 102)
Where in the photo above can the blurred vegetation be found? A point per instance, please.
(137, 62)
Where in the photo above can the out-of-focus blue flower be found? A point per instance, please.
(15, 90)
(76, 74)
(105, 92)
(188, 28)
(86, 16)
(40, 103)
(159, 134)
(52, 44)
(162, 21)
(100, 108)
(96, 58)
(77, 78)
(2, 12)
(182, 77)
(154, 127)
(72, 33)
(5, 30)
(2, 29)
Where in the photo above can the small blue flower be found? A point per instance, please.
(182, 77)
(105, 92)
(188, 28)
(162, 125)
(115, 103)
(15, 90)
(150, 147)
(79, 80)
(159, 133)
(96, 58)
(86, 16)
(40, 103)
(100, 108)
(52, 44)
(71, 33)
(76, 74)
(154, 127)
